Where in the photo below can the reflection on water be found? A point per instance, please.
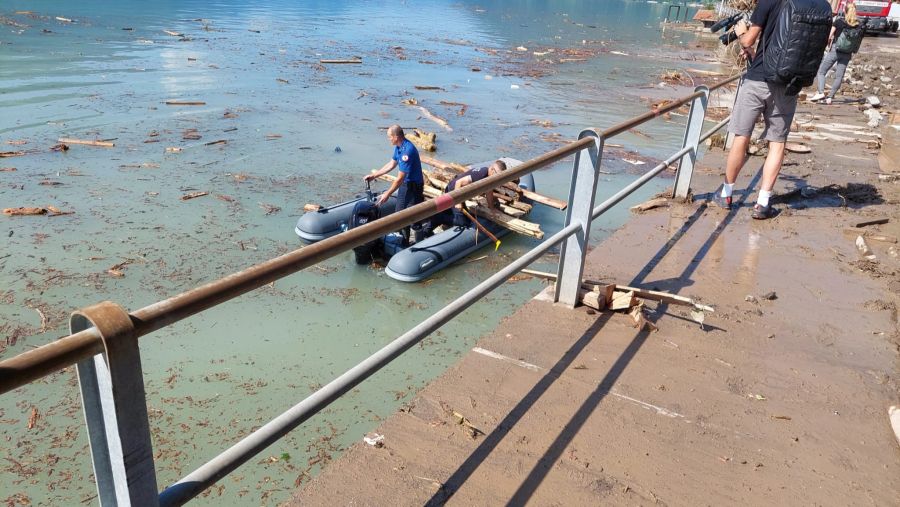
(103, 71)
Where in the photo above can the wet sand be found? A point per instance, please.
(781, 397)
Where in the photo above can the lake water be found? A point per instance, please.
(529, 74)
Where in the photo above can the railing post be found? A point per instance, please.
(115, 409)
(581, 202)
(692, 133)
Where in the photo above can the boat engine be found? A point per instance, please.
(363, 213)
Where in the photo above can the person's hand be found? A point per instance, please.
(740, 28)
(369, 177)
(749, 53)
(383, 199)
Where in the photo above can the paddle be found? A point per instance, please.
(482, 228)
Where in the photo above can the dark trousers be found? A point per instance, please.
(409, 194)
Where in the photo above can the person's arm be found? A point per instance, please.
(747, 37)
(831, 37)
(401, 177)
(386, 168)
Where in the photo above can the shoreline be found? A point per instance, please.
(778, 400)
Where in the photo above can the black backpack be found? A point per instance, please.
(795, 47)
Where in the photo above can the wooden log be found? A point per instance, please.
(68, 140)
(651, 204)
(24, 211)
(311, 207)
(193, 195)
(7, 154)
(874, 221)
(341, 62)
(435, 118)
(185, 103)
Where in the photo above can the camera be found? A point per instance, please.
(728, 37)
(727, 23)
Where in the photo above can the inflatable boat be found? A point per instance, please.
(324, 223)
(410, 264)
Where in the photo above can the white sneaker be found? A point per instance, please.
(816, 97)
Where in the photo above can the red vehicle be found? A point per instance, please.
(872, 12)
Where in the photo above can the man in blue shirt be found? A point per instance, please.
(410, 181)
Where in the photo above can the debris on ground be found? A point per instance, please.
(374, 439)
(658, 202)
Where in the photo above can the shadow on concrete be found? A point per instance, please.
(680, 282)
(571, 428)
(492, 440)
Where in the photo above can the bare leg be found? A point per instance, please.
(772, 166)
(736, 157)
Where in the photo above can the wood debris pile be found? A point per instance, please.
(610, 296)
(510, 211)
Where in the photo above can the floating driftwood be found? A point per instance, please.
(185, 103)
(24, 211)
(423, 140)
(86, 142)
(341, 62)
(193, 195)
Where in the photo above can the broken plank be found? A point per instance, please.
(665, 297)
(185, 103)
(193, 195)
(622, 300)
(651, 204)
(873, 221)
(86, 142)
(340, 62)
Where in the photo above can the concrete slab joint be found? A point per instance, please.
(115, 409)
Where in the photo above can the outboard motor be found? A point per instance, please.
(363, 213)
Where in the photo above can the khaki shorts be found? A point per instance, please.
(757, 97)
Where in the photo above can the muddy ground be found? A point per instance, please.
(779, 397)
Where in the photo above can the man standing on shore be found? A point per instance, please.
(410, 181)
(758, 96)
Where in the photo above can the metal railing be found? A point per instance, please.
(103, 343)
